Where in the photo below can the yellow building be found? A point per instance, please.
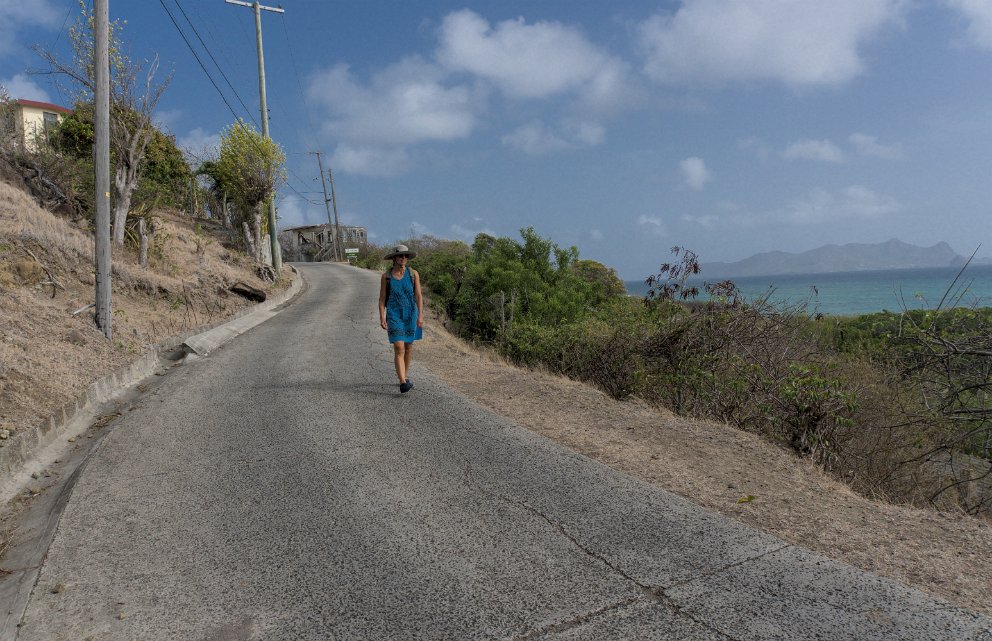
(34, 121)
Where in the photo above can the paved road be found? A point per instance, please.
(281, 488)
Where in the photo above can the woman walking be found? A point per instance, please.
(401, 311)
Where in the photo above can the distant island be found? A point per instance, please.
(852, 257)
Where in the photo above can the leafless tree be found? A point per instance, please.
(133, 97)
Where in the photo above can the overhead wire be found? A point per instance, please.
(216, 64)
(65, 21)
(225, 51)
(302, 181)
(299, 82)
(296, 72)
(221, 93)
(200, 62)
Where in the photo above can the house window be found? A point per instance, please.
(51, 122)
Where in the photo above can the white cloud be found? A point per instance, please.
(817, 207)
(706, 221)
(855, 201)
(468, 234)
(756, 145)
(404, 104)
(694, 173)
(199, 145)
(21, 14)
(654, 225)
(798, 42)
(821, 150)
(589, 134)
(869, 146)
(531, 60)
(166, 119)
(293, 211)
(536, 139)
(596, 235)
(419, 229)
(370, 161)
(979, 16)
(22, 86)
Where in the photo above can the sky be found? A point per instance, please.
(625, 128)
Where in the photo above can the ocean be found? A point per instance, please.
(865, 292)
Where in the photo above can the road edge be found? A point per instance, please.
(23, 453)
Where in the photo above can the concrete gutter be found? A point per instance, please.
(32, 450)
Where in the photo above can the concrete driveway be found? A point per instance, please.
(282, 488)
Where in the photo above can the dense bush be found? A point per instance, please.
(502, 286)
(66, 162)
(897, 405)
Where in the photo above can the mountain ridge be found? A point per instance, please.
(891, 254)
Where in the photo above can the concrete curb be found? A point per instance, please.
(22, 454)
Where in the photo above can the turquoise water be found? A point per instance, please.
(851, 293)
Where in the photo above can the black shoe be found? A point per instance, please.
(406, 387)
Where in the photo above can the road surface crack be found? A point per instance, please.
(576, 621)
(654, 593)
(729, 566)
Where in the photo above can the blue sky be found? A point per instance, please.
(730, 127)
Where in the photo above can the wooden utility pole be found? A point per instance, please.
(334, 203)
(327, 205)
(101, 159)
(258, 8)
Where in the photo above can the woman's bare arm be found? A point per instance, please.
(419, 297)
(382, 300)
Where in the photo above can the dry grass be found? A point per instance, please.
(714, 465)
(47, 355)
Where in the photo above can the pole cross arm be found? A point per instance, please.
(252, 5)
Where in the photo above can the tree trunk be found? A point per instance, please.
(225, 213)
(143, 236)
(122, 204)
(249, 243)
(127, 174)
(258, 236)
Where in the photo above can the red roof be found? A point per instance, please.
(43, 105)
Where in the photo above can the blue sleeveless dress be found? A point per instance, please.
(401, 309)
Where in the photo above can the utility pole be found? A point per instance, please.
(258, 8)
(334, 203)
(101, 160)
(327, 206)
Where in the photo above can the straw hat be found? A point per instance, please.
(400, 250)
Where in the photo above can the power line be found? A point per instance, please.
(65, 21)
(296, 71)
(216, 64)
(225, 50)
(200, 62)
(224, 98)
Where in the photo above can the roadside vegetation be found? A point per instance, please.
(181, 256)
(897, 405)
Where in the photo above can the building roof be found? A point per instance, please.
(43, 105)
(320, 226)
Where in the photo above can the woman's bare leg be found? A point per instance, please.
(407, 358)
(400, 360)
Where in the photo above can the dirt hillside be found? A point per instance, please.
(48, 355)
(50, 351)
(731, 472)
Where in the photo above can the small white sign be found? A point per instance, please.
(351, 250)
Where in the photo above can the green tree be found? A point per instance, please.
(604, 280)
(249, 168)
(8, 122)
(166, 177)
(132, 101)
